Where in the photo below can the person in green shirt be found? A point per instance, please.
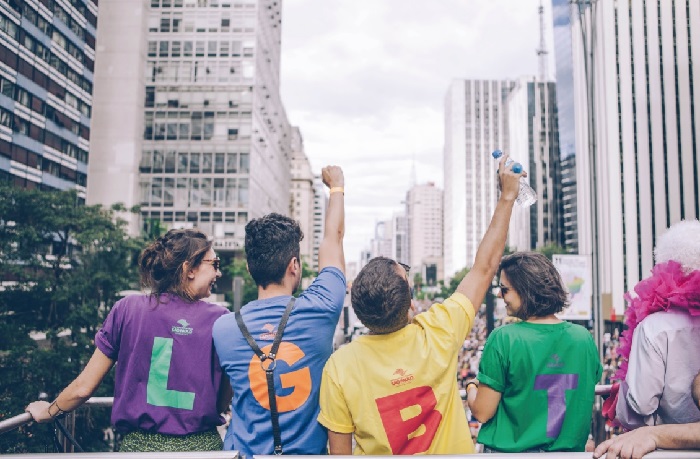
(537, 377)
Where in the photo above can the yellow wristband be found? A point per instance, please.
(337, 189)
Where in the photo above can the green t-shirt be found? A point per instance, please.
(546, 374)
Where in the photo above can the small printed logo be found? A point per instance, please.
(269, 332)
(183, 328)
(555, 361)
(403, 377)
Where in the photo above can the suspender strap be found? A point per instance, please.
(270, 370)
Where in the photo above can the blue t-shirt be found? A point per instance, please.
(307, 344)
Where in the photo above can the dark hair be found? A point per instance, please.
(695, 390)
(538, 283)
(270, 244)
(161, 263)
(381, 296)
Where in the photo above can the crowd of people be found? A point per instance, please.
(182, 362)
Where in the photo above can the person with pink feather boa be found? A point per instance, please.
(661, 346)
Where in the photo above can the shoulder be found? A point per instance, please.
(330, 274)
(131, 303)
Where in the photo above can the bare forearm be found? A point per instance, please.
(488, 256)
(335, 218)
(676, 436)
(77, 391)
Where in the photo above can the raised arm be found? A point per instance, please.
(478, 279)
(330, 252)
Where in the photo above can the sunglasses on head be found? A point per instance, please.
(404, 266)
(215, 262)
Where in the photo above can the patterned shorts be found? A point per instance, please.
(140, 441)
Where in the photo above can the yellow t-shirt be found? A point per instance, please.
(398, 392)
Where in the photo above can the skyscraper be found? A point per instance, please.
(476, 123)
(216, 147)
(561, 16)
(118, 107)
(425, 229)
(532, 111)
(302, 196)
(639, 154)
(47, 59)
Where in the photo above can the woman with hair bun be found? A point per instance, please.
(169, 390)
(537, 376)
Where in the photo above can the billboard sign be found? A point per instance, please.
(575, 271)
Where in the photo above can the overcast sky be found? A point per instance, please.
(365, 81)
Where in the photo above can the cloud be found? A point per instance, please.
(365, 81)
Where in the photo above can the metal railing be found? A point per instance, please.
(600, 389)
(26, 418)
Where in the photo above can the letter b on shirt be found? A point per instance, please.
(410, 419)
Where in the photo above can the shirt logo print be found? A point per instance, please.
(403, 377)
(269, 332)
(183, 328)
(555, 361)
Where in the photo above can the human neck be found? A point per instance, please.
(274, 290)
(550, 319)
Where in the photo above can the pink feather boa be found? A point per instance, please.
(667, 288)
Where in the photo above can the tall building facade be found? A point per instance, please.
(302, 196)
(118, 109)
(216, 146)
(534, 140)
(634, 68)
(319, 219)
(47, 59)
(476, 123)
(425, 230)
(561, 18)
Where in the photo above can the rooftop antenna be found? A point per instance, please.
(413, 179)
(542, 50)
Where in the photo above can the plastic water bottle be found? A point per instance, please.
(526, 195)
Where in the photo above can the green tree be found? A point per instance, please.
(239, 268)
(63, 265)
(550, 249)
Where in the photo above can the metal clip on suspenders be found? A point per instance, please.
(270, 370)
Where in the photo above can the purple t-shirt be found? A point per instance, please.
(167, 373)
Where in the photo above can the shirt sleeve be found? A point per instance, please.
(493, 367)
(108, 337)
(327, 291)
(455, 316)
(334, 415)
(638, 402)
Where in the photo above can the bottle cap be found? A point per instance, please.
(497, 154)
(517, 168)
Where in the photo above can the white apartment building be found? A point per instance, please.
(302, 195)
(476, 123)
(117, 116)
(534, 142)
(425, 230)
(645, 169)
(213, 145)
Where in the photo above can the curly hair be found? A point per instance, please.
(538, 283)
(381, 296)
(161, 264)
(270, 244)
(680, 243)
